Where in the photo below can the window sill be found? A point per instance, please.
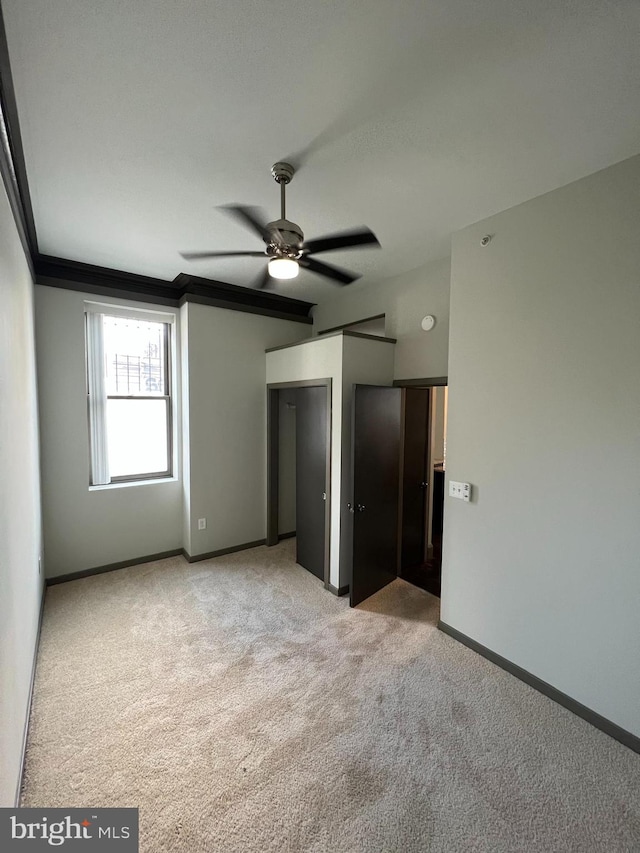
(125, 485)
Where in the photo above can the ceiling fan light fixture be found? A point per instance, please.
(283, 268)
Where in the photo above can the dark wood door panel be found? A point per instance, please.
(376, 472)
(311, 473)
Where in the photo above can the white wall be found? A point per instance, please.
(543, 567)
(227, 422)
(345, 360)
(221, 409)
(82, 528)
(20, 520)
(405, 300)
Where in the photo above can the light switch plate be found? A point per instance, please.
(462, 491)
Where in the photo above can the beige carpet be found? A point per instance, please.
(243, 708)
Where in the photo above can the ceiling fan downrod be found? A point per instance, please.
(282, 174)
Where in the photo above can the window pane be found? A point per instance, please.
(137, 437)
(134, 356)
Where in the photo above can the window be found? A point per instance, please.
(129, 396)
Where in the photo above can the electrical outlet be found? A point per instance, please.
(202, 524)
(462, 491)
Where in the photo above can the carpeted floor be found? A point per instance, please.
(246, 710)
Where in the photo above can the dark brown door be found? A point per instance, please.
(376, 477)
(311, 477)
(414, 479)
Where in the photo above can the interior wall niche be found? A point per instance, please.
(375, 325)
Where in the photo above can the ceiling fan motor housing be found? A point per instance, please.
(286, 238)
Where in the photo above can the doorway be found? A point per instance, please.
(298, 470)
(422, 468)
(397, 479)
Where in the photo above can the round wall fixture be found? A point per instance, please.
(428, 322)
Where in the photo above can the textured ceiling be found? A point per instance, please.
(414, 117)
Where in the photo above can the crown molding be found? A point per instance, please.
(104, 281)
(75, 275)
(223, 295)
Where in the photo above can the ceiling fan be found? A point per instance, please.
(285, 245)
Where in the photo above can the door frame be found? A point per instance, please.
(431, 382)
(273, 462)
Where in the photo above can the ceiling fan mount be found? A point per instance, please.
(282, 172)
(285, 245)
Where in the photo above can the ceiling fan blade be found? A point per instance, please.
(343, 240)
(334, 273)
(264, 281)
(250, 217)
(201, 256)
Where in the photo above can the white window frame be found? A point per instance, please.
(97, 396)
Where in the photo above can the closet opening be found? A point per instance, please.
(298, 470)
